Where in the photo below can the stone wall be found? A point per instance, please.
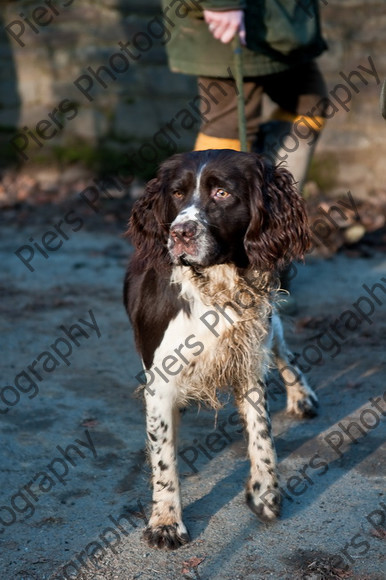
(54, 105)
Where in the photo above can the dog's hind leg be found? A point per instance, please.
(301, 399)
(165, 528)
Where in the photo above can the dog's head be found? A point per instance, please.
(220, 206)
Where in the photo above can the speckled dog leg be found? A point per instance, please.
(165, 528)
(262, 493)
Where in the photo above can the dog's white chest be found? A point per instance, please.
(194, 336)
(213, 345)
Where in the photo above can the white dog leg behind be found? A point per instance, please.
(301, 399)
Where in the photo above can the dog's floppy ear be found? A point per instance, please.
(278, 231)
(149, 224)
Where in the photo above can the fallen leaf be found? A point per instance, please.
(379, 533)
(89, 422)
(191, 563)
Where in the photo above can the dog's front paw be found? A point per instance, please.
(170, 536)
(266, 505)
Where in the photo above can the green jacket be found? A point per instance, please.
(280, 35)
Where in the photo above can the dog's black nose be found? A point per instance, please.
(184, 231)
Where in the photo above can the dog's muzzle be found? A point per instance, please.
(183, 239)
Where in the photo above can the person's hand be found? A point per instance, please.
(225, 25)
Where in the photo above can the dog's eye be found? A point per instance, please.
(178, 194)
(221, 194)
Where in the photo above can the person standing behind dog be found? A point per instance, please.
(281, 40)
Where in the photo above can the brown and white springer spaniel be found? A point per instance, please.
(210, 232)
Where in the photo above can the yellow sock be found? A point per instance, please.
(316, 122)
(204, 142)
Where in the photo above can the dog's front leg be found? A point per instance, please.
(165, 528)
(262, 494)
